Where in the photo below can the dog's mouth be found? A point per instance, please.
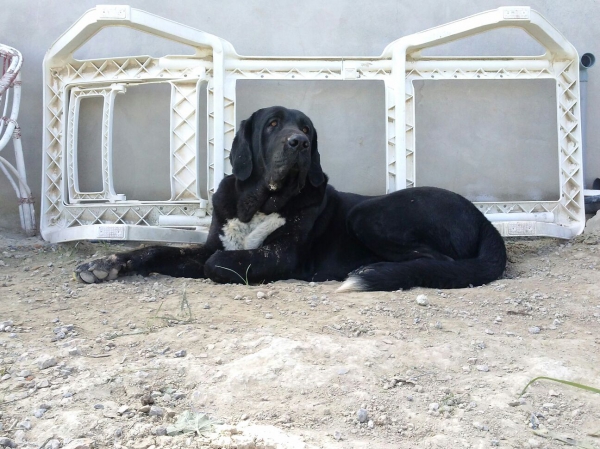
(290, 176)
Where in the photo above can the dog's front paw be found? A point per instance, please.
(223, 268)
(100, 270)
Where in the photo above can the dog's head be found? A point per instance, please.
(277, 147)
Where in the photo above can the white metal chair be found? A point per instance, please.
(10, 61)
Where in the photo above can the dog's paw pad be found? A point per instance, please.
(87, 277)
(100, 274)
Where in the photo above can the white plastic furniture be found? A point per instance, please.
(68, 213)
(10, 83)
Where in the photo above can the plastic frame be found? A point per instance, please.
(10, 81)
(69, 214)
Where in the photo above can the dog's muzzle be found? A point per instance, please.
(298, 142)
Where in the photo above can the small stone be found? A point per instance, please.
(147, 399)
(181, 353)
(74, 351)
(46, 361)
(434, 406)
(98, 406)
(26, 424)
(489, 332)
(39, 413)
(159, 431)
(483, 368)
(238, 298)
(534, 330)
(362, 415)
(7, 442)
(382, 420)
(337, 436)
(145, 408)
(52, 444)
(178, 395)
(268, 316)
(80, 443)
(156, 411)
(67, 394)
(370, 424)
(261, 295)
(244, 417)
(123, 409)
(422, 300)
(44, 383)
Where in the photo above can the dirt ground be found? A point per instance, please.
(291, 364)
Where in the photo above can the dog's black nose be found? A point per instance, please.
(298, 141)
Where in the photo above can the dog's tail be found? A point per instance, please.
(487, 266)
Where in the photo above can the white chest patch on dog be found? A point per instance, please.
(238, 235)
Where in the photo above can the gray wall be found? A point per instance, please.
(348, 116)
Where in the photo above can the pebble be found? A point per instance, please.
(159, 431)
(7, 442)
(434, 406)
(80, 443)
(39, 413)
(268, 316)
(74, 351)
(147, 400)
(44, 383)
(534, 330)
(156, 411)
(26, 424)
(362, 415)
(178, 395)
(370, 424)
(422, 300)
(489, 332)
(483, 368)
(46, 361)
(238, 298)
(98, 406)
(52, 444)
(261, 295)
(181, 353)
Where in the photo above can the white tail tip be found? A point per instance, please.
(352, 284)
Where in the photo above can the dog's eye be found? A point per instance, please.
(273, 123)
(305, 130)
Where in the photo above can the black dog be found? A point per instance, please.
(277, 218)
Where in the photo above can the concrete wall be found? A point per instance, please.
(348, 115)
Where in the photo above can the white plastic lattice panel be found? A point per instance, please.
(69, 213)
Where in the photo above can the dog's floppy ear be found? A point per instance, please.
(315, 173)
(241, 151)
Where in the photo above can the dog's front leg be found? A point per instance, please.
(178, 262)
(268, 263)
